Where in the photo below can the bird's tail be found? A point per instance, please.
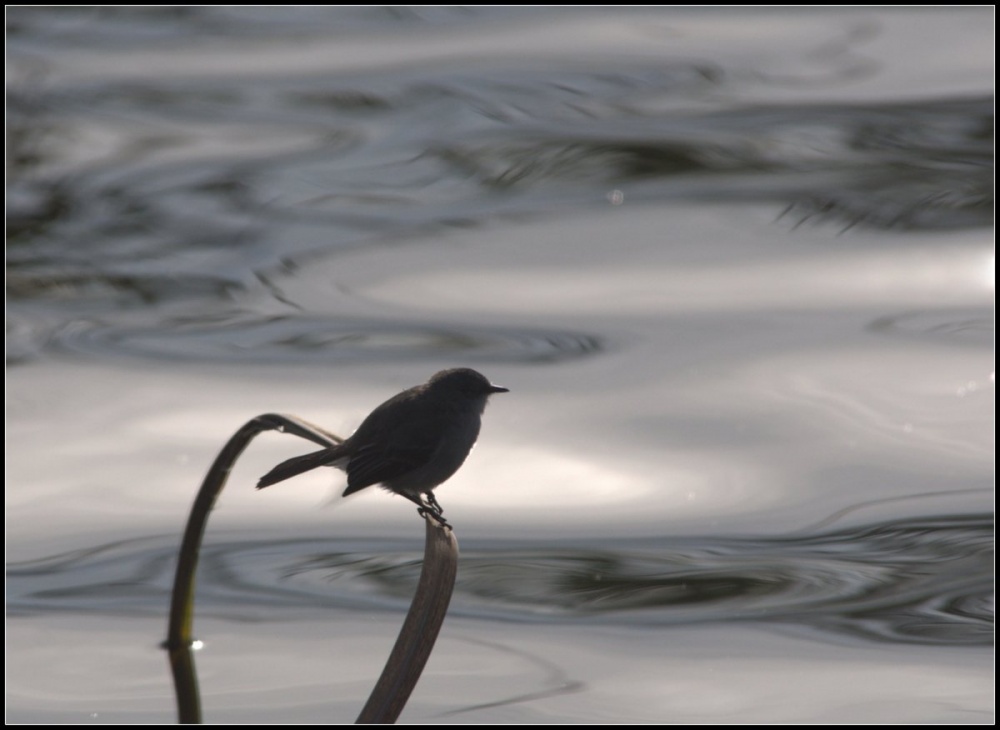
(297, 465)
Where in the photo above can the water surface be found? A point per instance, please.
(736, 268)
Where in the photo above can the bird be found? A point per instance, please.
(410, 444)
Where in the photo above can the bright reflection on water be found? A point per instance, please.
(735, 266)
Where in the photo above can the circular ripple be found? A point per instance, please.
(960, 325)
(316, 340)
(926, 581)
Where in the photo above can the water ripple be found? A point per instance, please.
(953, 326)
(312, 339)
(923, 581)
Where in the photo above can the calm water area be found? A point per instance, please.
(735, 266)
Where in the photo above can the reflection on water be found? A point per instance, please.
(128, 194)
(925, 581)
(966, 326)
(321, 340)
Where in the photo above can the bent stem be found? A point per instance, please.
(420, 628)
(179, 639)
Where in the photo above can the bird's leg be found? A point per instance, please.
(436, 510)
(431, 507)
(432, 501)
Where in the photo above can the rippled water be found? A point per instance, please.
(735, 266)
(916, 581)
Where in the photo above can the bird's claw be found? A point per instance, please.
(436, 514)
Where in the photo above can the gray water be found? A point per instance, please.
(736, 268)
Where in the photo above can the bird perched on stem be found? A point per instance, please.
(410, 444)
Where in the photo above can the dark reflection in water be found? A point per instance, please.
(924, 581)
(362, 156)
(287, 339)
(167, 189)
(955, 326)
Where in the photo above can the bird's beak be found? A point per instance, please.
(499, 389)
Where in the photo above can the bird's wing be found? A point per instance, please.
(406, 445)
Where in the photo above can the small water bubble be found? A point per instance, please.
(616, 197)
(907, 428)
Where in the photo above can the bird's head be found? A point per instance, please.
(464, 381)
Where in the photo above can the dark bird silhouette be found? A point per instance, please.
(410, 444)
